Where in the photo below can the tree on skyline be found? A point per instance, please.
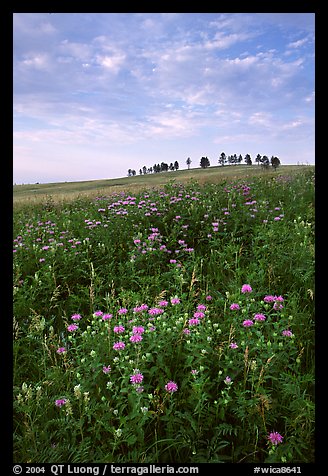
(222, 160)
(188, 162)
(204, 162)
(275, 162)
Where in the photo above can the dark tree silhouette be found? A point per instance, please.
(204, 162)
(275, 162)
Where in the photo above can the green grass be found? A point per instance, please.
(32, 194)
(181, 247)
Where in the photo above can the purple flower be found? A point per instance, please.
(194, 322)
(233, 345)
(269, 298)
(175, 301)
(138, 329)
(106, 317)
(248, 323)
(155, 311)
(201, 307)
(275, 438)
(171, 387)
(123, 310)
(227, 380)
(186, 330)
(259, 317)
(199, 315)
(118, 345)
(246, 288)
(76, 317)
(106, 370)
(61, 350)
(234, 307)
(208, 298)
(141, 308)
(136, 378)
(98, 313)
(136, 338)
(119, 329)
(60, 402)
(72, 327)
(163, 303)
(287, 333)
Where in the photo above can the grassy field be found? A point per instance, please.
(166, 318)
(66, 191)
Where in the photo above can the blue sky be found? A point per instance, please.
(98, 93)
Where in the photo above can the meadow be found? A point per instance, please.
(167, 322)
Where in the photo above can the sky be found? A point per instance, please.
(96, 94)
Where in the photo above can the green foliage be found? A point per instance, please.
(185, 251)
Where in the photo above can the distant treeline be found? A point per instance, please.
(224, 159)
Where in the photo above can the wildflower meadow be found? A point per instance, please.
(174, 325)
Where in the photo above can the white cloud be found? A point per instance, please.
(298, 43)
(36, 60)
(112, 63)
(222, 41)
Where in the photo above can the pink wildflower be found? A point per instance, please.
(106, 317)
(76, 317)
(269, 298)
(60, 402)
(248, 323)
(171, 387)
(72, 327)
(246, 288)
(123, 310)
(259, 317)
(234, 306)
(136, 338)
(199, 315)
(61, 350)
(136, 378)
(141, 308)
(155, 311)
(275, 438)
(119, 329)
(194, 322)
(106, 370)
(287, 333)
(118, 345)
(175, 301)
(201, 307)
(233, 345)
(138, 329)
